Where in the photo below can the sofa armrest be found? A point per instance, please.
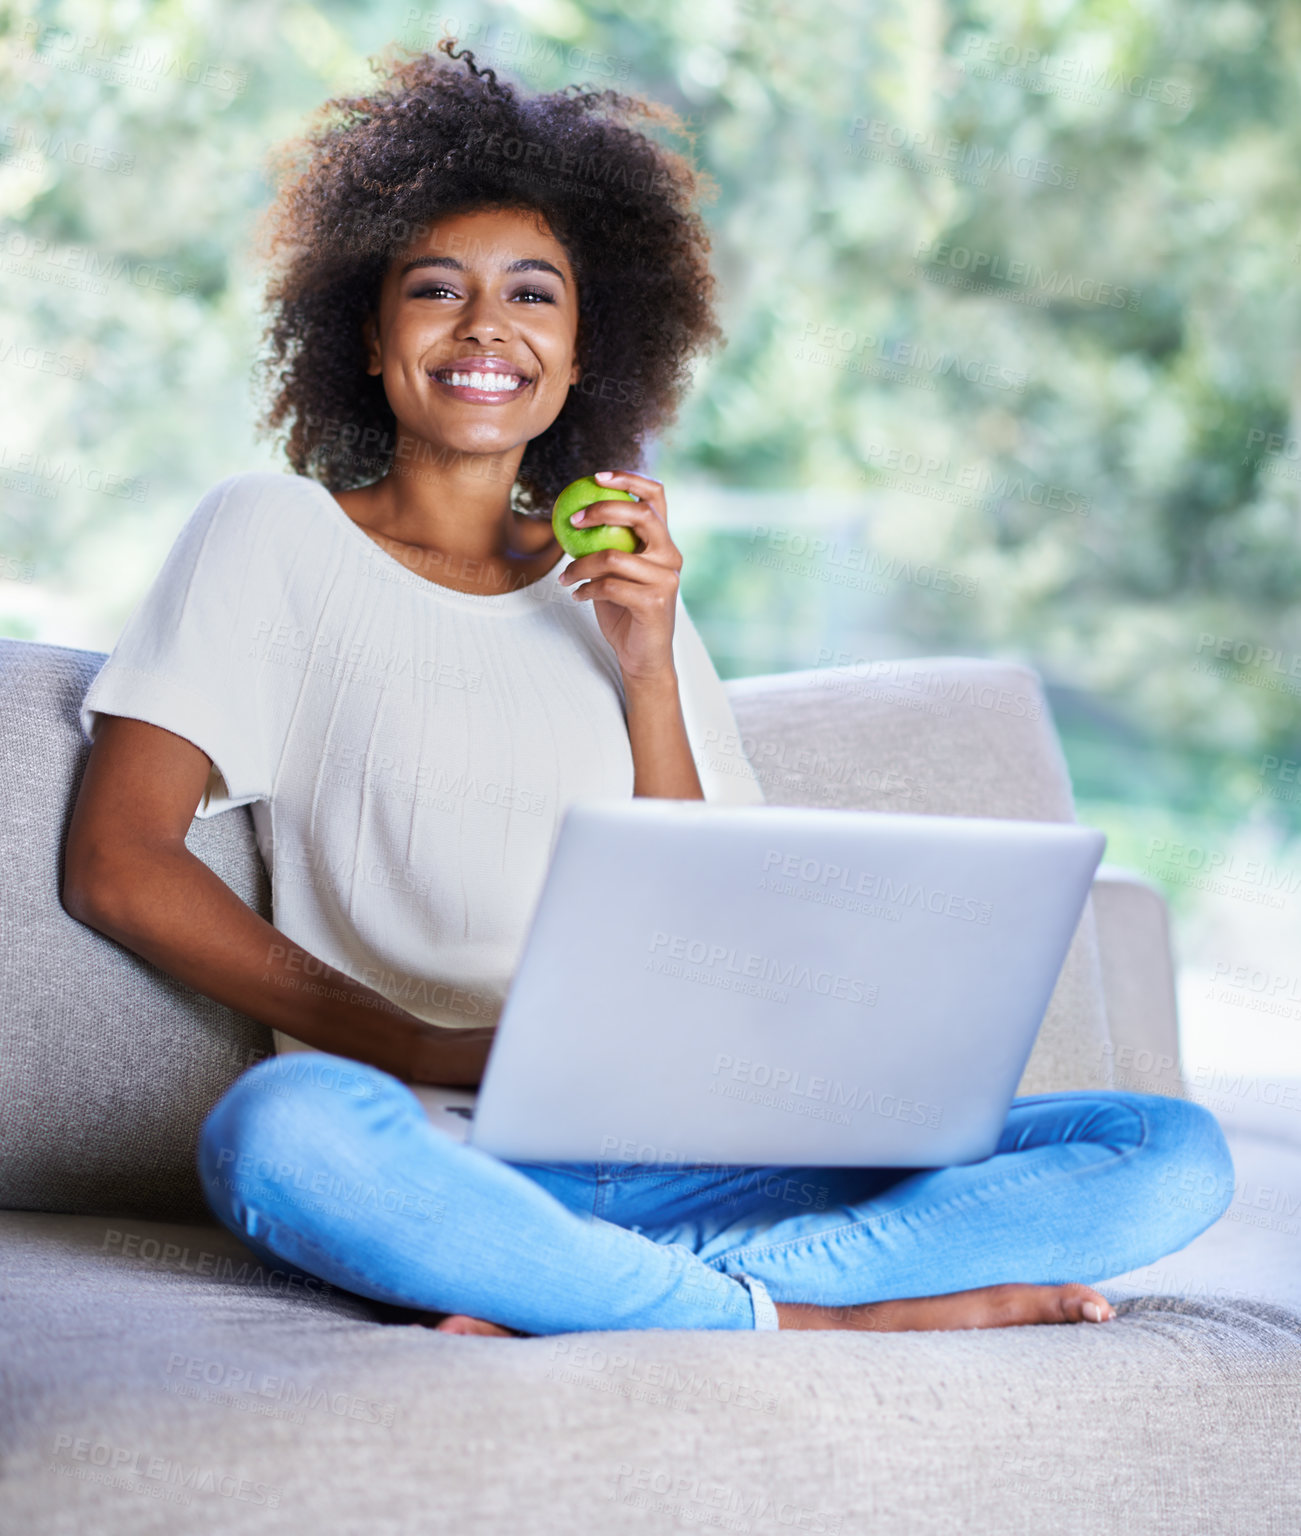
(1138, 981)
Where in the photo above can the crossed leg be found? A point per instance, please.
(347, 1179)
(1081, 1186)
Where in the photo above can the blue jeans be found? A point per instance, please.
(331, 1166)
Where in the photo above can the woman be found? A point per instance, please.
(388, 657)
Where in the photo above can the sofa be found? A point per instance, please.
(158, 1378)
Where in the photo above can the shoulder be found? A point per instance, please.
(256, 509)
(263, 491)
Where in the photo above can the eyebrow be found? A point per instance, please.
(524, 264)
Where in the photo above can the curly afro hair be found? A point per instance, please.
(376, 171)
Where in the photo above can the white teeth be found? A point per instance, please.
(501, 383)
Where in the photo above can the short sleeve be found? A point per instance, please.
(184, 660)
(726, 776)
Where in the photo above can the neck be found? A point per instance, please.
(447, 499)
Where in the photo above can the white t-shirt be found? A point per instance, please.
(407, 750)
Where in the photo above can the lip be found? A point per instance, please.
(494, 365)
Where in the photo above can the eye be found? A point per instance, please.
(428, 290)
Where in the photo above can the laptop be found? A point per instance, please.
(776, 985)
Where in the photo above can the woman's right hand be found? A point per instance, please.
(451, 1058)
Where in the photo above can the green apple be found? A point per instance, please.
(587, 540)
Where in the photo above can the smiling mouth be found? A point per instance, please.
(474, 383)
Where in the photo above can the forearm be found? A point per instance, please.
(171, 909)
(661, 752)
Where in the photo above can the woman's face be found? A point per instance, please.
(485, 292)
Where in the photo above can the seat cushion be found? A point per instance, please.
(159, 1379)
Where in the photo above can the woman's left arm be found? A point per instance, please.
(635, 596)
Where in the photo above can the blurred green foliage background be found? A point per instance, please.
(1010, 292)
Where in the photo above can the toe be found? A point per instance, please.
(458, 1323)
(1081, 1303)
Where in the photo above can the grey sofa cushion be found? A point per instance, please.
(272, 1407)
(107, 1064)
(943, 736)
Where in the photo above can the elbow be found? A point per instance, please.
(77, 898)
(88, 892)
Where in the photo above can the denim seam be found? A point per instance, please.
(762, 1305)
(888, 1217)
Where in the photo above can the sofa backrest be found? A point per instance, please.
(108, 1065)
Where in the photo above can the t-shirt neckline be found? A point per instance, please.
(516, 600)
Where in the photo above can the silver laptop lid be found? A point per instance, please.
(780, 985)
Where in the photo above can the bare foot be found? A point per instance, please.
(457, 1322)
(991, 1306)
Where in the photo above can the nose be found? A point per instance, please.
(483, 319)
